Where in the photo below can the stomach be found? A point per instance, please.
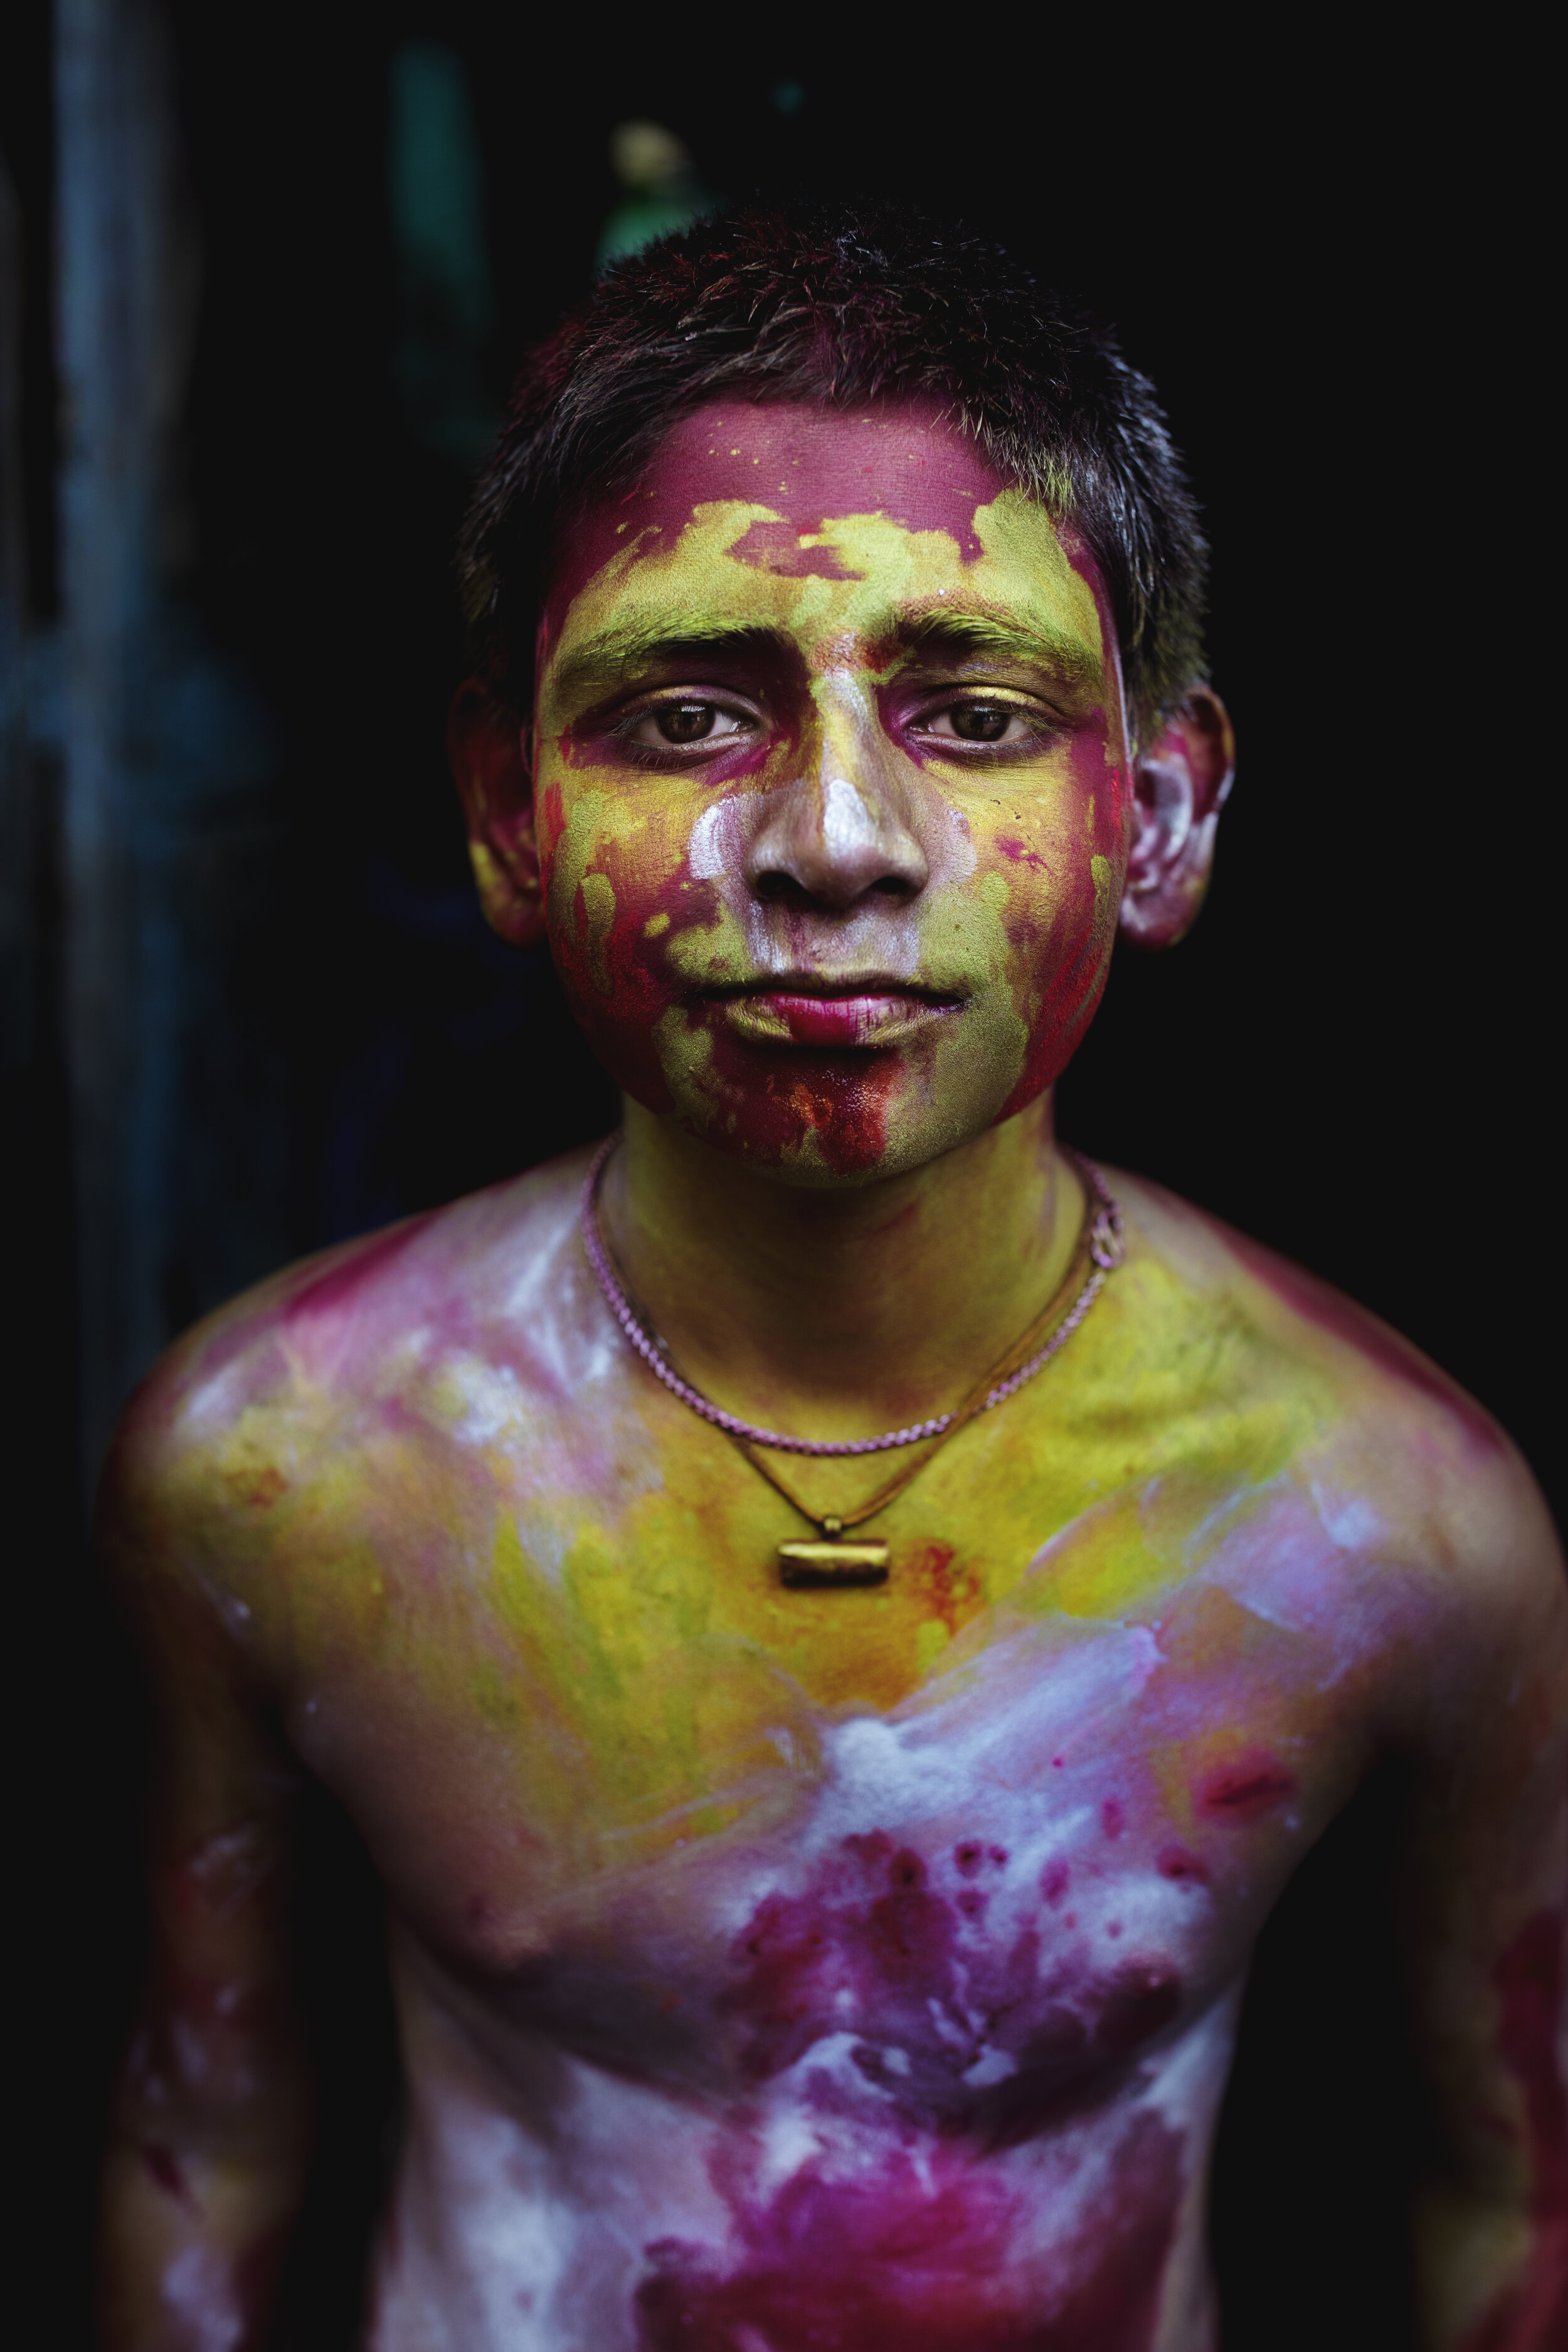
(836, 2203)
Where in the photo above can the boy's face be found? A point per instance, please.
(832, 787)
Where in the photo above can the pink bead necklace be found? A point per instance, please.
(831, 1561)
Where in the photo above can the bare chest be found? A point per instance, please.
(641, 1814)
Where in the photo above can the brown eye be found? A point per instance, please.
(684, 722)
(980, 722)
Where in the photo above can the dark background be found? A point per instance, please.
(1315, 250)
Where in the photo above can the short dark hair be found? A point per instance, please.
(841, 305)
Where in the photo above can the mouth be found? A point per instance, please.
(807, 1009)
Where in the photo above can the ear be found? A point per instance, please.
(1180, 784)
(485, 745)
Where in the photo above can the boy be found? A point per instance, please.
(835, 1618)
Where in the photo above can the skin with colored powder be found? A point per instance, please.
(789, 1968)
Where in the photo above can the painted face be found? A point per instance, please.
(833, 787)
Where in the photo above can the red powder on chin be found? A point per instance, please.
(767, 1102)
(1532, 2317)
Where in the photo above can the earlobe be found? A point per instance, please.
(1181, 783)
(486, 749)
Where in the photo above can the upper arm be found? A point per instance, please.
(212, 2116)
(223, 1786)
(1485, 1899)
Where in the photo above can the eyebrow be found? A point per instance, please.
(957, 633)
(613, 653)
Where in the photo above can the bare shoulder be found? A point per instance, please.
(1384, 1428)
(274, 1405)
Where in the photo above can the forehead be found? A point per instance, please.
(820, 522)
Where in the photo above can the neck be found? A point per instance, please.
(839, 1313)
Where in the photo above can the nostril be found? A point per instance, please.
(783, 890)
(776, 890)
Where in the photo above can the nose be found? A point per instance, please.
(837, 835)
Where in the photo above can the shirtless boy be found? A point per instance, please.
(837, 1945)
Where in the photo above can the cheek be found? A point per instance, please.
(634, 922)
(1064, 892)
(618, 895)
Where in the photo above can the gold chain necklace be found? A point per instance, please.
(830, 1561)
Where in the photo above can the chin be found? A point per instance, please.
(826, 1129)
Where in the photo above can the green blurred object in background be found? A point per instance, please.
(663, 192)
(435, 190)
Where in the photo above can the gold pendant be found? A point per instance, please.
(809, 1566)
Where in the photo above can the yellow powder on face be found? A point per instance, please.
(599, 905)
(625, 833)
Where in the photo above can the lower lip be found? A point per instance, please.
(870, 1020)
